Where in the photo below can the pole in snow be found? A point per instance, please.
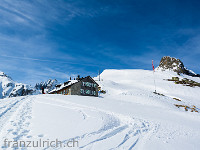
(154, 75)
(99, 74)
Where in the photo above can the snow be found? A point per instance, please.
(129, 116)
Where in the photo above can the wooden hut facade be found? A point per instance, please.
(85, 87)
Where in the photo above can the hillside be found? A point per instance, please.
(129, 116)
(135, 83)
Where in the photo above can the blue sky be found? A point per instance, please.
(42, 39)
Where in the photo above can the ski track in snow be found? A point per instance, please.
(15, 117)
(17, 122)
(130, 129)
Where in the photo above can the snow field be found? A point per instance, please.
(129, 116)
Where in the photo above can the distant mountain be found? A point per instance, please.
(47, 85)
(171, 63)
(10, 88)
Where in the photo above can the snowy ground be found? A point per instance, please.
(129, 116)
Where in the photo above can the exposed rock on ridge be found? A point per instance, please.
(171, 63)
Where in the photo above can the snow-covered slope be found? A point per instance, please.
(9, 88)
(140, 84)
(129, 116)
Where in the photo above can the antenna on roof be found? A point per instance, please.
(99, 74)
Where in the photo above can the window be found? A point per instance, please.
(87, 91)
(64, 92)
(88, 84)
(94, 92)
(82, 91)
(61, 92)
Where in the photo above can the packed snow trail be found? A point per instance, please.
(8, 107)
(15, 119)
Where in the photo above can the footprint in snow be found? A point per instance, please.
(27, 124)
(41, 135)
(14, 133)
(25, 131)
(29, 117)
(14, 124)
(9, 130)
(29, 136)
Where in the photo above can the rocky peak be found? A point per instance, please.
(171, 63)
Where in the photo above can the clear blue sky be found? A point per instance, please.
(42, 39)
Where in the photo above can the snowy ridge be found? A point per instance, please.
(9, 88)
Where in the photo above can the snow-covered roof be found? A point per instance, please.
(70, 82)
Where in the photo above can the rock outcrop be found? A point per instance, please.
(171, 63)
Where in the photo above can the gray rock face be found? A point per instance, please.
(171, 63)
